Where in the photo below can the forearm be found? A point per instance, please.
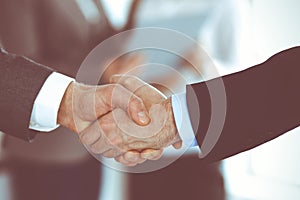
(20, 82)
(262, 104)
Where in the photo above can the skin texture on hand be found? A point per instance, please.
(106, 119)
(83, 105)
(168, 133)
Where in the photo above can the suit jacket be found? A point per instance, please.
(262, 103)
(20, 81)
(56, 34)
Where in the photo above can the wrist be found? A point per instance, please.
(168, 105)
(172, 128)
(65, 114)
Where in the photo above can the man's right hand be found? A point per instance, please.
(83, 105)
(160, 133)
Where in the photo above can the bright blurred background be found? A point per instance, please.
(236, 34)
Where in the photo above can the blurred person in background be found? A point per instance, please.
(62, 33)
(57, 34)
(217, 26)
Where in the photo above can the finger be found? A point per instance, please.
(139, 88)
(177, 142)
(138, 112)
(112, 153)
(110, 129)
(132, 83)
(102, 144)
(91, 134)
(110, 138)
(125, 99)
(177, 145)
(133, 157)
(152, 154)
(121, 159)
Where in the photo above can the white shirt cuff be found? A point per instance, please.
(182, 120)
(46, 105)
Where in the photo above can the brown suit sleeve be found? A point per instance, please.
(20, 82)
(262, 103)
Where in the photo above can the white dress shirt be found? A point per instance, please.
(47, 102)
(46, 105)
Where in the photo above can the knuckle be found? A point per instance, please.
(109, 89)
(135, 100)
(119, 88)
(86, 139)
(95, 149)
(115, 141)
(108, 154)
(106, 124)
(127, 81)
(103, 122)
(131, 157)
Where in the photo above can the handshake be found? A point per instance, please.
(128, 119)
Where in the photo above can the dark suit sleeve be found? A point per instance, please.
(262, 103)
(20, 81)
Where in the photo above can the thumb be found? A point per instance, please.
(177, 145)
(128, 101)
(138, 112)
(178, 142)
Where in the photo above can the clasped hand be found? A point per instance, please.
(128, 120)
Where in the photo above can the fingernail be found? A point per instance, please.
(143, 117)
